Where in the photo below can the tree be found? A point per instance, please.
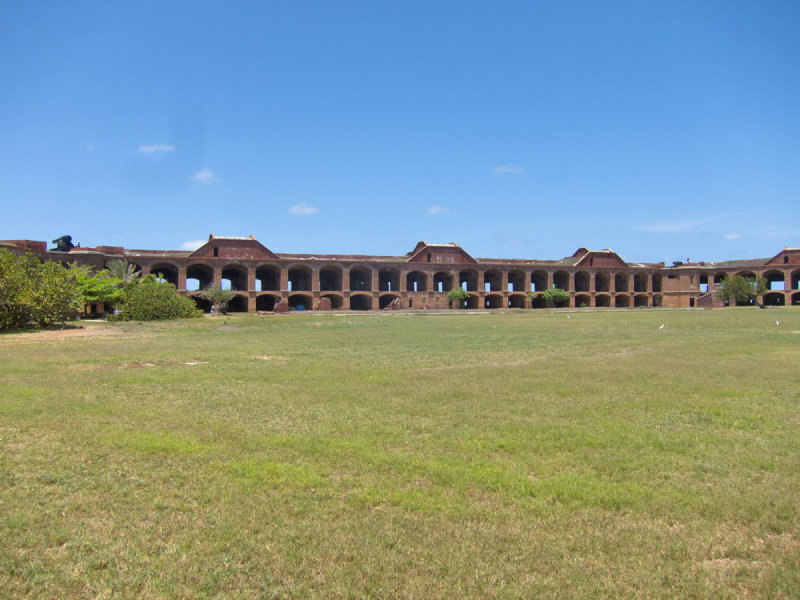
(456, 296)
(97, 288)
(742, 290)
(123, 270)
(148, 299)
(216, 295)
(32, 292)
(554, 297)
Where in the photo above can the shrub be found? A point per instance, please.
(151, 300)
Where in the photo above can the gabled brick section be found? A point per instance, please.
(788, 256)
(607, 259)
(234, 248)
(450, 253)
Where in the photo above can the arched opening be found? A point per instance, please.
(198, 277)
(472, 301)
(657, 300)
(300, 281)
(656, 282)
(268, 278)
(360, 302)
(360, 280)
(517, 301)
(330, 279)
(796, 280)
(719, 277)
(640, 282)
(622, 301)
(301, 302)
(746, 275)
(602, 300)
(561, 280)
(582, 279)
(775, 281)
(388, 280)
(202, 303)
(468, 280)
(774, 299)
(336, 300)
(493, 301)
(621, 282)
(640, 300)
(796, 299)
(386, 299)
(492, 281)
(538, 281)
(602, 282)
(442, 282)
(266, 302)
(538, 301)
(234, 278)
(416, 281)
(237, 303)
(516, 281)
(165, 272)
(583, 300)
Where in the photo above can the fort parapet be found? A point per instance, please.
(261, 279)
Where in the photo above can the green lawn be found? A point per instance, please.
(529, 455)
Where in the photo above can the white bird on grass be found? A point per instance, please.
(662, 326)
(777, 322)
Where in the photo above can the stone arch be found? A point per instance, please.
(337, 300)
(386, 299)
(330, 279)
(360, 280)
(301, 302)
(202, 303)
(796, 299)
(602, 282)
(442, 282)
(168, 272)
(776, 281)
(774, 299)
(602, 300)
(517, 300)
(655, 282)
(622, 301)
(388, 280)
(640, 300)
(516, 281)
(493, 300)
(267, 302)
(795, 279)
(492, 281)
(582, 279)
(640, 283)
(416, 281)
(236, 276)
(268, 278)
(360, 302)
(583, 300)
(747, 274)
(539, 281)
(657, 300)
(472, 301)
(538, 301)
(621, 282)
(199, 277)
(561, 280)
(299, 280)
(468, 279)
(237, 303)
(719, 277)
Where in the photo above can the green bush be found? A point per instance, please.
(151, 300)
(35, 293)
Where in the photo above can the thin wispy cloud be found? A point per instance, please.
(192, 244)
(508, 170)
(733, 235)
(89, 146)
(684, 226)
(303, 209)
(204, 177)
(438, 209)
(155, 148)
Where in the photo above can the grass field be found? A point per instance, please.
(525, 455)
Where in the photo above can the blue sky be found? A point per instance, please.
(664, 130)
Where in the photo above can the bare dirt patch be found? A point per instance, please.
(50, 335)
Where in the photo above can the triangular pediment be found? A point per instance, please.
(234, 248)
(599, 258)
(450, 253)
(787, 256)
